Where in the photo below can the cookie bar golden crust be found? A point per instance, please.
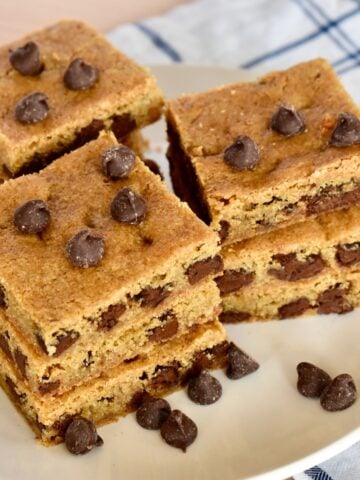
(142, 265)
(117, 392)
(111, 344)
(288, 177)
(123, 97)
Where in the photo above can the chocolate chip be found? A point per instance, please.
(32, 108)
(295, 308)
(26, 59)
(65, 340)
(152, 297)
(331, 198)
(154, 167)
(165, 377)
(340, 394)
(294, 269)
(122, 125)
(346, 131)
(312, 380)
(165, 331)
(4, 345)
(348, 254)
(201, 269)
(179, 430)
(232, 316)
(2, 297)
(333, 300)
(243, 154)
(85, 249)
(12, 389)
(110, 318)
(88, 360)
(61, 425)
(128, 207)
(41, 343)
(85, 135)
(287, 121)
(81, 436)
(32, 217)
(48, 387)
(80, 75)
(204, 389)
(234, 280)
(118, 162)
(224, 230)
(214, 357)
(21, 362)
(152, 413)
(240, 364)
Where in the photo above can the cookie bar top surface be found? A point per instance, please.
(59, 45)
(35, 271)
(209, 122)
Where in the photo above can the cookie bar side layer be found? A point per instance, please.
(106, 399)
(123, 97)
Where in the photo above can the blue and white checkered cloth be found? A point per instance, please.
(259, 35)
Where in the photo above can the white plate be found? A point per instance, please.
(260, 429)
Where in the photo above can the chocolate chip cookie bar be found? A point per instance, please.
(60, 87)
(121, 389)
(107, 248)
(253, 157)
(312, 266)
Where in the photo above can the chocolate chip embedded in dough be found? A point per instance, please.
(85, 249)
(118, 162)
(32, 217)
(346, 131)
(243, 154)
(26, 59)
(233, 316)
(80, 75)
(287, 121)
(165, 331)
(32, 108)
(201, 269)
(333, 300)
(65, 340)
(339, 394)
(128, 207)
(348, 254)
(234, 280)
(152, 296)
(293, 269)
(179, 430)
(110, 317)
(295, 308)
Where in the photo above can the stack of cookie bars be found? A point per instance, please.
(274, 167)
(106, 278)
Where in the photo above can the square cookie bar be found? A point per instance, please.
(252, 157)
(60, 86)
(95, 248)
(309, 267)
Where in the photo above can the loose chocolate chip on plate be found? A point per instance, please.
(32, 108)
(81, 436)
(201, 269)
(346, 131)
(312, 380)
(154, 167)
(239, 363)
(339, 394)
(118, 162)
(152, 413)
(234, 280)
(80, 75)
(128, 207)
(85, 249)
(287, 121)
(26, 60)
(204, 389)
(32, 217)
(243, 154)
(178, 430)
